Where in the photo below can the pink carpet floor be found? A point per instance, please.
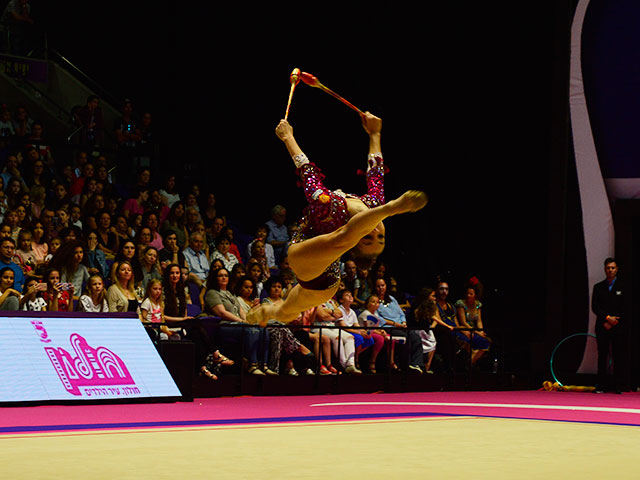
(621, 409)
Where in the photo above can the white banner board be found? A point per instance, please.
(56, 358)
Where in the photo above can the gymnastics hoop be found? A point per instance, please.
(553, 354)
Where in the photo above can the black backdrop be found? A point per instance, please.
(464, 89)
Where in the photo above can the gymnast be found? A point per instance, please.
(333, 224)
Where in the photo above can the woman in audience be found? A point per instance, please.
(136, 203)
(176, 222)
(150, 220)
(447, 337)
(70, 261)
(191, 219)
(121, 296)
(23, 216)
(468, 310)
(107, 237)
(365, 288)
(143, 238)
(60, 197)
(94, 205)
(15, 189)
(221, 302)
(89, 189)
(282, 340)
(170, 192)
(150, 267)
(9, 296)
(208, 211)
(238, 273)
(39, 245)
(257, 274)
(259, 254)
(38, 196)
(129, 252)
(96, 259)
(94, 299)
(59, 296)
(122, 228)
(427, 317)
(208, 357)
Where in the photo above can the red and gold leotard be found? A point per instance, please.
(327, 211)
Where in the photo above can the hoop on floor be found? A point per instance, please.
(553, 354)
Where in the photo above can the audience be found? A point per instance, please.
(144, 246)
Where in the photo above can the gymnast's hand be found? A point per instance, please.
(284, 130)
(371, 124)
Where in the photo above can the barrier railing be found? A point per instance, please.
(212, 323)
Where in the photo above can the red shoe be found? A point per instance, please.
(332, 370)
(323, 370)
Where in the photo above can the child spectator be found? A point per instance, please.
(24, 255)
(58, 295)
(152, 309)
(94, 299)
(32, 300)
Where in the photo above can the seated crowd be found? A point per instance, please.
(72, 239)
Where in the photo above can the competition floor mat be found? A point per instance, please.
(528, 434)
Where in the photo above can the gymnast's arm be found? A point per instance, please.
(373, 126)
(284, 131)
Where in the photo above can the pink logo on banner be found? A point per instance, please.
(90, 367)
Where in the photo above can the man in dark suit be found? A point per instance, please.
(607, 304)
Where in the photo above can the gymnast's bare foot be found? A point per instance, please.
(261, 314)
(409, 201)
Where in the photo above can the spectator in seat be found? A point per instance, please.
(171, 252)
(222, 253)
(94, 300)
(31, 300)
(70, 261)
(469, 315)
(121, 295)
(209, 360)
(390, 310)
(278, 236)
(7, 252)
(136, 204)
(58, 295)
(221, 302)
(197, 260)
(9, 296)
(90, 117)
(176, 222)
(363, 339)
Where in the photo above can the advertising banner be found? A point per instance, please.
(57, 358)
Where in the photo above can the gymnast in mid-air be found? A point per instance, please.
(333, 224)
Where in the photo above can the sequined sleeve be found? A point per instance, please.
(375, 184)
